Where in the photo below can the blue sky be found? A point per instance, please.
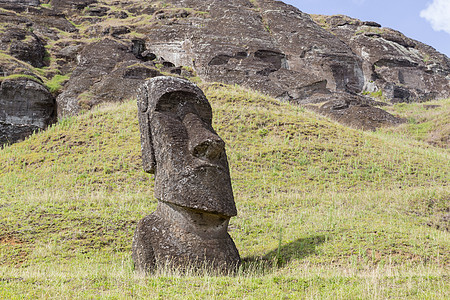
(427, 21)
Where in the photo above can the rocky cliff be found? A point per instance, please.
(100, 51)
(403, 69)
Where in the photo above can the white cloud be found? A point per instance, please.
(438, 14)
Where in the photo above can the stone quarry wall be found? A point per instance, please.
(340, 62)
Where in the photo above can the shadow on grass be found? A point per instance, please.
(279, 257)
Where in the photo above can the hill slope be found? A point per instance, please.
(324, 211)
(76, 54)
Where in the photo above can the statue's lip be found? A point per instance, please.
(209, 166)
(197, 208)
(196, 170)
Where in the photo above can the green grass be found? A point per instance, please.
(46, 5)
(19, 76)
(427, 122)
(324, 211)
(54, 85)
(378, 95)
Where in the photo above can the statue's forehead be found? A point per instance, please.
(166, 88)
(180, 97)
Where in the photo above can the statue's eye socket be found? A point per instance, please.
(165, 107)
(182, 104)
(172, 101)
(204, 111)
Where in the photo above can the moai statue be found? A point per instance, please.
(192, 181)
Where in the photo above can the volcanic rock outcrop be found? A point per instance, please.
(265, 45)
(25, 107)
(399, 68)
(109, 47)
(192, 182)
(279, 50)
(108, 71)
(23, 45)
(355, 111)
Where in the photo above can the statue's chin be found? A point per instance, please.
(200, 222)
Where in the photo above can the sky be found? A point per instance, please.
(427, 21)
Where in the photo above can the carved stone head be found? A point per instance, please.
(182, 149)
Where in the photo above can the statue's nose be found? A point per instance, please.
(203, 141)
(210, 148)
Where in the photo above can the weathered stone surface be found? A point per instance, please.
(117, 31)
(118, 14)
(22, 2)
(266, 45)
(262, 44)
(97, 11)
(107, 72)
(69, 5)
(70, 51)
(355, 111)
(23, 45)
(192, 181)
(43, 19)
(405, 70)
(25, 106)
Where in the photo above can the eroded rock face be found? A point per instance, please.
(265, 45)
(23, 45)
(404, 70)
(355, 111)
(25, 106)
(107, 71)
(262, 44)
(279, 50)
(69, 5)
(192, 181)
(22, 2)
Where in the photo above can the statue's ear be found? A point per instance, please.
(148, 155)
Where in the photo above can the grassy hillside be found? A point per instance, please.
(324, 211)
(428, 122)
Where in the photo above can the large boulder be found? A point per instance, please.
(49, 19)
(25, 106)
